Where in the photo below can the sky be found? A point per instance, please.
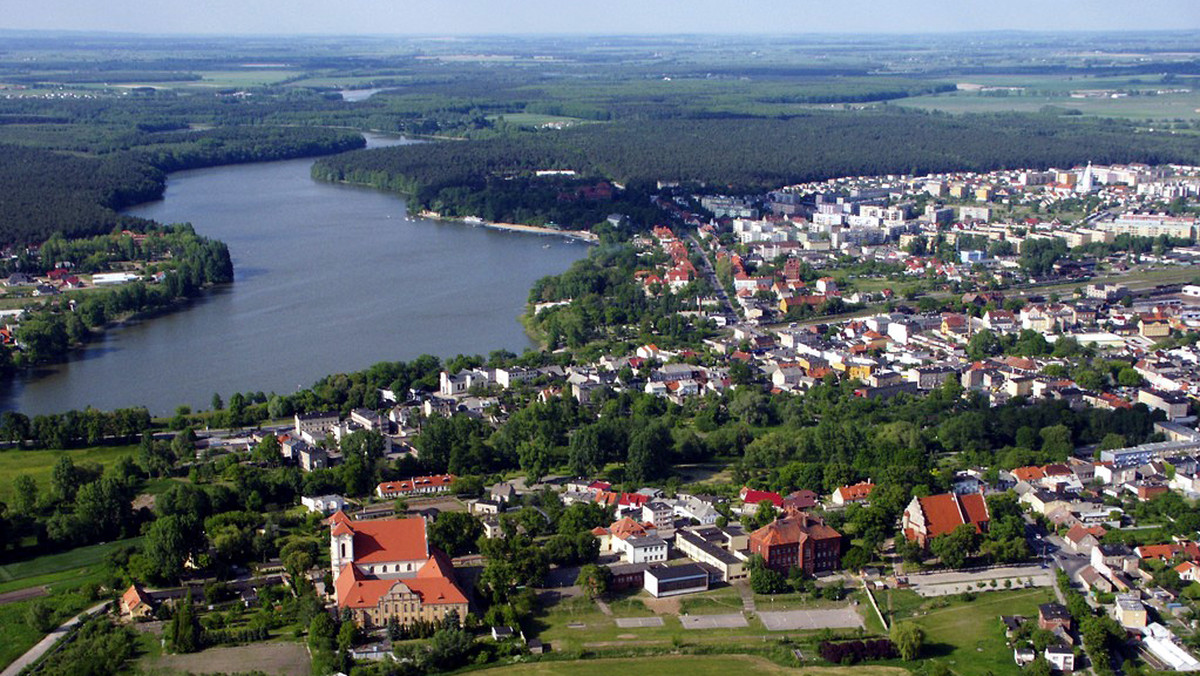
(473, 17)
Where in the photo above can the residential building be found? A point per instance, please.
(715, 547)
(858, 492)
(420, 485)
(136, 603)
(324, 504)
(1060, 657)
(1053, 616)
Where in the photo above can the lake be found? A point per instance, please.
(328, 279)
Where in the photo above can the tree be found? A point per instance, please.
(347, 635)
(954, 547)
(455, 532)
(185, 628)
(268, 451)
(217, 402)
(594, 581)
(450, 648)
(647, 453)
(1129, 377)
(40, 616)
(321, 632)
(908, 637)
(166, 547)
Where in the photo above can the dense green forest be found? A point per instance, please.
(43, 191)
(752, 154)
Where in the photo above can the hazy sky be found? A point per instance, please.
(342, 17)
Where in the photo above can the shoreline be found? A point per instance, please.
(577, 235)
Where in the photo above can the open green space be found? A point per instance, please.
(16, 633)
(1165, 106)
(39, 464)
(689, 665)
(967, 635)
(77, 562)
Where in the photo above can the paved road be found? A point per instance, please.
(711, 273)
(46, 643)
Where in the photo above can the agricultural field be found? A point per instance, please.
(39, 463)
(282, 658)
(70, 566)
(1184, 106)
(689, 665)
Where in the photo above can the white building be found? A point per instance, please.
(325, 504)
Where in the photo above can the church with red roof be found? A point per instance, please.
(928, 517)
(385, 568)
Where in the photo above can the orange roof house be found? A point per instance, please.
(135, 602)
(855, 493)
(928, 517)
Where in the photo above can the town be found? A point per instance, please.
(821, 463)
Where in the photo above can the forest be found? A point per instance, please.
(750, 154)
(43, 192)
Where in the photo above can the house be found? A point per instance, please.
(802, 499)
(859, 492)
(385, 569)
(1111, 560)
(800, 541)
(1188, 571)
(660, 514)
(420, 485)
(1081, 539)
(751, 497)
(136, 603)
(635, 542)
(503, 493)
(663, 580)
(1129, 611)
(928, 517)
(315, 424)
(324, 504)
(1060, 657)
(1053, 616)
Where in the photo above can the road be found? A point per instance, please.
(711, 273)
(34, 653)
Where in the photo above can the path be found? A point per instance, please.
(747, 597)
(604, 607)
(34, 653)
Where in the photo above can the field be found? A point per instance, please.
(16, 633)
(38, 464)
(688, 665)
(69, 566)
(285, 659)
(967, 636)
(1184, 106)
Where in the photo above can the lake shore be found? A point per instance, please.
(580, 235)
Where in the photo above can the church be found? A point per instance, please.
(385, 568)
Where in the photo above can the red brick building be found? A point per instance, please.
(798, 541)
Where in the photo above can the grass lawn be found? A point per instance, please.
(712, 602)
(689, 665)
(63, 566)
(1184, 106)
(39, 464)
(16, 633)
(968, 636)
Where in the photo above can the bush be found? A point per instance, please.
(852, 652)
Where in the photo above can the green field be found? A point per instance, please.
(967, 636)
(65, 566)
(684, 665)
(1167, 106)
(534, 119)
(38, 464)
(16, 633)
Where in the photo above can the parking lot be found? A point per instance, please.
(636, 622)
(730, 621)
(794, 620)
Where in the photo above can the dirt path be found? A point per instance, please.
(22, 595)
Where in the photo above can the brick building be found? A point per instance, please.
(798, 541)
